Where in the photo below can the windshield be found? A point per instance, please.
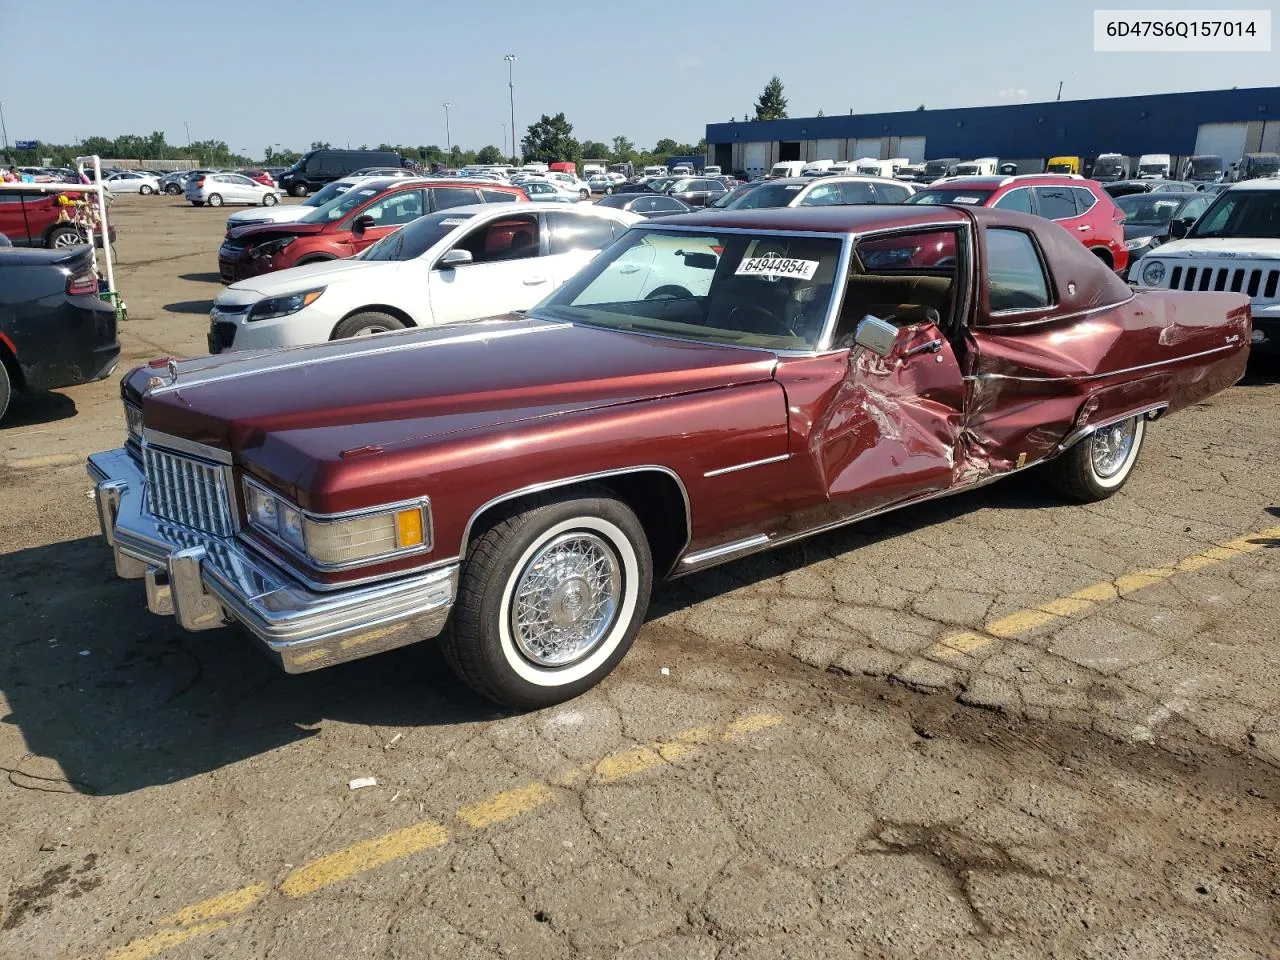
(1206, 166)
(1148, 209)
(340, 206)
(752, 290)
(658, 184)
(936, 168)
(1153, 168)
(1060, 168)
(415, 238)
(967, 170)
(969, 198)
(1107, 168)
(733, 196)
(767, 195)
(1241, 213)
(1263, 167)
(326, 193)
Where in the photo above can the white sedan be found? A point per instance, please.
(295, 211)
(215, 189)
(130, 181)
(570, 182)
(457, 264)
(550, 191)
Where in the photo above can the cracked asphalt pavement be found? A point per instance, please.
(993, 727)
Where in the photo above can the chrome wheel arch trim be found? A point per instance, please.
(546, 485)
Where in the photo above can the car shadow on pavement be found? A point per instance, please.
(189, 306)
(108, 698)
(33, 409)
(201, 277)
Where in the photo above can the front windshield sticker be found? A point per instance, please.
(452, 221)
(367, 193)
(777, 267)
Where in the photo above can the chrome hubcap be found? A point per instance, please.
(566, 599)
(1111, 447)
(369, 331)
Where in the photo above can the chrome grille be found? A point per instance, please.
(188, 491)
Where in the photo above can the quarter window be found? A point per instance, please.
(1084, 199)
(1019, 200)
(497, 196)
(1055, 203)
(1016, 279)
(888, 193)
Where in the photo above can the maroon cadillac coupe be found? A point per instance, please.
(709, 386)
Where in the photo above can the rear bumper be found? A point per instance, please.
(73, 343)
(206, 582)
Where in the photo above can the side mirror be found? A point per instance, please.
(454, 258)
(876, 335)
(1178, 229)
(362, 224)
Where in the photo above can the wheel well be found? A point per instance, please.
(381, 308)
(317, 258)
(1103, 254)
(655, 496)
(10, 363)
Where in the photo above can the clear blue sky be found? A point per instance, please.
(255, 74)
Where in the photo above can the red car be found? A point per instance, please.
(258, 176)
(35, 218)
(1080, 206)
(347, 224)
(708, 386)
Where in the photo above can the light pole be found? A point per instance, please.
(448, 139)
(4, 131)
(511, 90)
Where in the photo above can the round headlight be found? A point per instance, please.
(1152, 273)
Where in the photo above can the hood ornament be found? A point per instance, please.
(156, 382)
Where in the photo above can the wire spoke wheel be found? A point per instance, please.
(566, 599)
(1111, 447)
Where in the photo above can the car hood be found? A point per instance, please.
(268, 231)
(1225, 247)
(264, 215)
(296, 416)
(295, 279)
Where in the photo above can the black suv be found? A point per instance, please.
(320, 167)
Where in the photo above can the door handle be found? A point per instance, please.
(931, 346)
(534, 281)
(629, 268)
(1083, 227)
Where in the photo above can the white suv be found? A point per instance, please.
(1234, 246)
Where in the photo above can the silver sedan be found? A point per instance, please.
(129, 181)
(215, 189)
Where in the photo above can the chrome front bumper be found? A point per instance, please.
(205, 582)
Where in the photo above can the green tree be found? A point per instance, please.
(665, 148)
(490, 154)
(595, 150)
(623, 150)
(320, 145)
(820, 113)
(772, 105)
(551, 139)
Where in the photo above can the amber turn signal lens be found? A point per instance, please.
(409, 528)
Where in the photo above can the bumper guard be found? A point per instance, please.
(205, 582)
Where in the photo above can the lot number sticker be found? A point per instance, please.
(777, 267)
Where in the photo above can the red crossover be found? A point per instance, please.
(258, 176)
(36, 218)
(347, 224)
(1081, 206)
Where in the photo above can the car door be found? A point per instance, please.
(389, 212)
(237, 189)
(573, 240)
(13, 220)
(508, 270)
(888, 427)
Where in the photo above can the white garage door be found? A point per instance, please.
(912, 148)
(1225, 140)
(826, 149)
(1270, 137)
(755, 157)
(865, 147)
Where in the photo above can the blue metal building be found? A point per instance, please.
(1224, 122)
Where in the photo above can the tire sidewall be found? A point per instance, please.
(215, 200)
(270, 200)
(350, 326)
(6, 390)
(521, 681)
(1108, 485)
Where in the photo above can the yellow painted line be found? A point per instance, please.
(218, 912)
(1020, 622)
(362, 857)
(506, 805)
(235, 901)
(146, 947)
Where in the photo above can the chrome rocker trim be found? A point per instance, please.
(205, 582)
